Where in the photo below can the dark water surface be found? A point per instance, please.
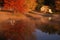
(45, 36)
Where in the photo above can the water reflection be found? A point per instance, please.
(49, 30)
(45, 36)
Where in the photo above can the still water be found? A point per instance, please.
(45, 36)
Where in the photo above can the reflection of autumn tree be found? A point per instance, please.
(21, 30)
(20, 5)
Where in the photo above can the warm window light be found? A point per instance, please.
(50, 11)
(46, 9)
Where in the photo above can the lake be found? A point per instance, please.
(45, 36)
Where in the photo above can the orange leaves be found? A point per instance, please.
(20, 5)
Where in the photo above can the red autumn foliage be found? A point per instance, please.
(20, 5)
(15, 5)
